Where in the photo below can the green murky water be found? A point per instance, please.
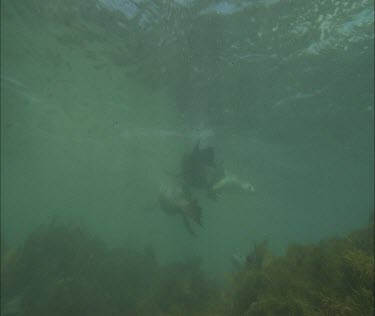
(100, 100)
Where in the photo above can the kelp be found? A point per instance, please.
(62, 270)
(335, 277)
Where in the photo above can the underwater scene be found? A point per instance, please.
(187, 157)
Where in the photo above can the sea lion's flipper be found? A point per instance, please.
(195, 212)
(187, 225)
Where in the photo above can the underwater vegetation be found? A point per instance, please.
(62, 270)
(335, 277)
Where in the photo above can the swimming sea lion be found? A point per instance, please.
(199, 173)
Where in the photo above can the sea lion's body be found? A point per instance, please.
(199, 170)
